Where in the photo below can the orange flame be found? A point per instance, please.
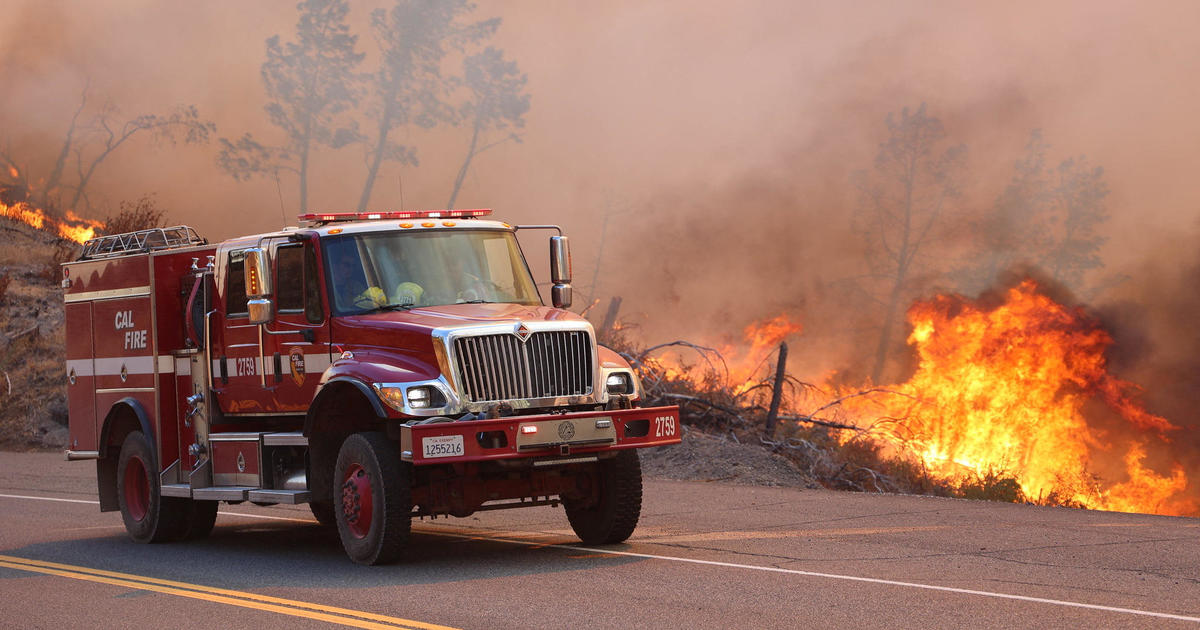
(12, 170)
(739, 367)
(73, 228)
(1004, 389)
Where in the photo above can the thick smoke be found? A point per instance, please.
(718, 141)
(1152, 316)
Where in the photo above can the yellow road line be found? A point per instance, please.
(331, 614)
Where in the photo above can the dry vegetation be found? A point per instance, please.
(132, 216)
(726, 433)
(33, 409)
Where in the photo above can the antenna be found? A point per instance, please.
(400, 178)
(279, 190)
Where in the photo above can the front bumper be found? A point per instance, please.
(558, 435)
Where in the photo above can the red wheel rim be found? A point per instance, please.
(137, 489)
(357, 502)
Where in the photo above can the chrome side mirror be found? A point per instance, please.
(258, 286)
(560, 272)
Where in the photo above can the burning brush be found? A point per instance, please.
(1023, 387)
(1016, 388)
(71, 228)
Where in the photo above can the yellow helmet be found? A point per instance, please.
(407, 293)
(373, 297)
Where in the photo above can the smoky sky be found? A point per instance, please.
(718, 140)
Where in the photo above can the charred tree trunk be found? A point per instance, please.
(466, 165)
(777, 390)
(304, 179)
(385, 127)
(55, 177)
(610, 317)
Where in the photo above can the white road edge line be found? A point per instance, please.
(732, 565)
(272, 518)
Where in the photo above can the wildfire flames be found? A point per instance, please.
(72, 228)
(1017, 387)
(1005, 390)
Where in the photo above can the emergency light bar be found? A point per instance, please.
(329, 217)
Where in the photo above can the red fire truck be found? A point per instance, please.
(377, 366)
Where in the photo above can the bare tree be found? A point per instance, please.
(408, 87)
(310, 82)
(496, 103)
(1078, 211)
(900, 215)
(184, 121)
(95, 139)
(1046, 216)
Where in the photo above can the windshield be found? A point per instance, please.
(407, 269)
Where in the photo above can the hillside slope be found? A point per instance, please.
(33, 404)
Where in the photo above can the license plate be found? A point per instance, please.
(442, 446)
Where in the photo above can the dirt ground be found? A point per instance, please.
(705, 457)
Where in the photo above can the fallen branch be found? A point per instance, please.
(696, 399)
(820, 422)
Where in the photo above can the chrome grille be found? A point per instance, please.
(502, 367)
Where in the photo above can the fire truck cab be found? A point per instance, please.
(377, 366)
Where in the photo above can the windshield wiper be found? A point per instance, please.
(392, 307)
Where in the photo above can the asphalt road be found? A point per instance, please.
(706, 555)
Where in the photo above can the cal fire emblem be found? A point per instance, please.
(296, 356)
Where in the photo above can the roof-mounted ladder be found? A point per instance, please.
(140, 242)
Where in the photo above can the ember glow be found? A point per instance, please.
(1008, 389)
(73, 228)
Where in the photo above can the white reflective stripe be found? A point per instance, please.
(109, 366)
(107, 294)
(233, 364)
(313, 364)
(82, 367)
(316, 363)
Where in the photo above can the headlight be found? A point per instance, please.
(619, 383)
(420, 397)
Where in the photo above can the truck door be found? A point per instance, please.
(237, 372)
(296, 343)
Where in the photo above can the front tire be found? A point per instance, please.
(323, 512)
(614, 515)
(149, 516)
(374, 488)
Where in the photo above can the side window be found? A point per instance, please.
(289, 278)
(312, 287)
(296, 284)
(235, 285)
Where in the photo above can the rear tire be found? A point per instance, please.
(201, 519)
(149, 516)
(613, 517)
(374, 514)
